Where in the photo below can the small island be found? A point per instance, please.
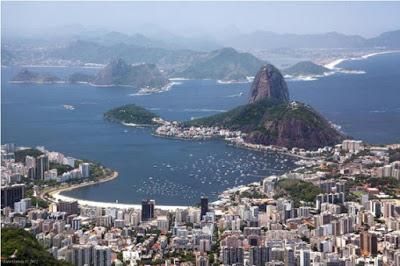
(306, 68)
(147, 78)
(26, 76)
(131, 115)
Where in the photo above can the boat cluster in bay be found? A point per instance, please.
(224, 170)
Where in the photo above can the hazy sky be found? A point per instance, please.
(364, 18)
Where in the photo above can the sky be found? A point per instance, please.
(204, 18)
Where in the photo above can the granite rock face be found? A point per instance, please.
(295, 125)
(270, 119)
(269, 84)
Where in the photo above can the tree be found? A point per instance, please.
(19, 245)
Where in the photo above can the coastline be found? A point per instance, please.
(333, 65)
(334, 69)
(243, 145)
(55, 195)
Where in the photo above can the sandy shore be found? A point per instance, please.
(56, 195)
(333, 65)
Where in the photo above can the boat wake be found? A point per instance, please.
(235, 95)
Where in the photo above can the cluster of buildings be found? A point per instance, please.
(348, 223)
(38, 167)
(174, 129)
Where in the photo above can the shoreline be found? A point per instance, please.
(244, 145)
(55, 195)
(333, 64)
(334, 69)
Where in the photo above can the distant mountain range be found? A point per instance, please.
(271, 40)
(223, 64)
(170, 42)
(390, 40)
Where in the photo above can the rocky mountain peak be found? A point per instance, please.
(118, 64)
(269, 84)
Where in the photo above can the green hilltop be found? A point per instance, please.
(20, 245)
(131, 114)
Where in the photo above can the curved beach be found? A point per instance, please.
(56, 195)
(333, 65)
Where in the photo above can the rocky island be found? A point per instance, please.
(271, 119)
(119, 73)
(131, 115)
(306, 68)
(27, 76)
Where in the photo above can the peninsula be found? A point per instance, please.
(269, 118)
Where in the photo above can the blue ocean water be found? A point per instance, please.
(177, 172)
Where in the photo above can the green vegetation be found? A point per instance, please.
(21, 154)
(39, 202)
(130, 113)
(118, 72)
(247, 116)
(61, 168)
(394, 155)
(305, 68)
(183, 256)
(297, 190)
(224, 64)
(387, 185)
(252, 194)
(20, 247)
(254, 116)
(271, 122)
